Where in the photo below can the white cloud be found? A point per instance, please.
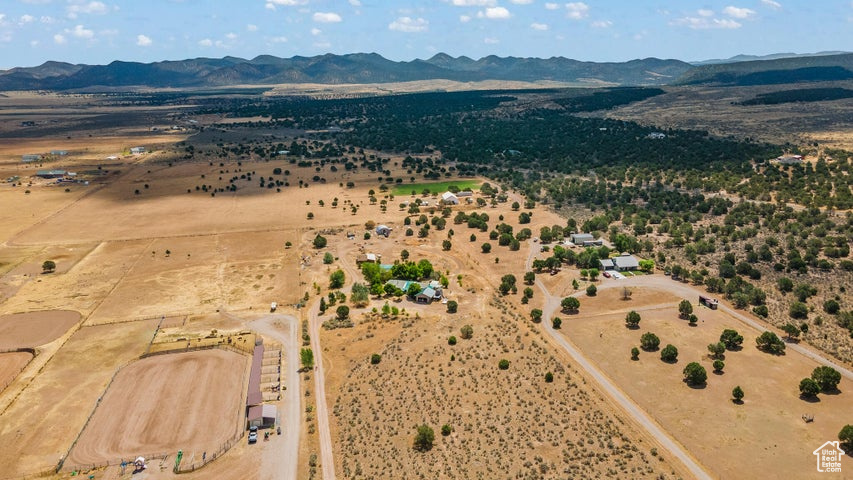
(494, 13)
(601, 24)
(705, 12)
(205, 42)
(143, 40)
(491, 40)
(409, 25)
(737, 12)
(46, 19)
(772, 4)
(278, 39)
(327, 17)
(231, 36)
(577, 10)
(316, 31)
(539, 26)
(90, 8)
(473, 3)
(703, 23)
(355, 3)
(271, 4)
(322, 45)
(59, 39)
(464, 18)
(252, 28)
(80, 31)
(551, 6)
(24, 19)
(521, 2)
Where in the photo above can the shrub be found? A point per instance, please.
(342, 312)
(446, 430)
(549, 377)
(556, 323)
(424, 438)
(320, 242)
(467, 331)
(719, 365)
(337, 279)
(669, 354)
(536, 315)
(685, 308)
(48, 266)
(328, 258)
(649, 341)
(737, 394)
(809, 388)
(798, 310)
(452, 306)
(632, 319)
(451, 340)
(591, 291)
(375, 358)
(845, 436)
(694, 374)
(503, 364)
(635, 353)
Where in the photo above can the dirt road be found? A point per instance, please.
(327, 457)
(552, 304)
(281, 464)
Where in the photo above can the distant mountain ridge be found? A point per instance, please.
(772, 56)
(361, 68)
(337, 69)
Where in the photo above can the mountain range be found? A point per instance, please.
(360, 68)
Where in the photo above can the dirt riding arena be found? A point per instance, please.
(33, 329)
(183, 401)
(11, 364)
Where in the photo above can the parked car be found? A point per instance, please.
(253, 437)
(606, 274)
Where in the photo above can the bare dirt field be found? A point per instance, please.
(34, 328)
(11, 365)
(731, 440)
(166, 403)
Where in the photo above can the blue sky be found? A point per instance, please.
(99, 31)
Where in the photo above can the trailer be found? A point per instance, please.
(709, 302)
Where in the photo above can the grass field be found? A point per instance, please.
(437, 187)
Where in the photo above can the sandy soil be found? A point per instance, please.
(721, 434)
(11, 365)
(60, 398)
(187, 401)
(34, 328)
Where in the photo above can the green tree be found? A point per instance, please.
(632, 319)
(467, 331)
(669, 354)
(737, 394)
(831, 306)
(770, 343)
(791, 331)
(451, 340)
(695, 374)
(342, 312)
(424, 438)
(529, 278)
(649, 341)
(503, 364)
(570, 304)
(731, 339)
(320, 241)
(48, 266)
(337, 279)
(549, 377)
(685, 308)
(452, 306)
(635, 353)
(445, 245)
(536, 315)
(375, 358)
(360, 295)
(328, 258)
(845, 436)
(827, 378)
(446, 430)
(718, 366)
(556, 323)
(809, 388)
(486, 247)
(692, 319)
(785, 284)
(717, 349)
(798, 310)
(306, 356)
(591, 291)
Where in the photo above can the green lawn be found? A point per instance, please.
(435, 187)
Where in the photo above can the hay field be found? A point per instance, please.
(190, 401)
(764, 437)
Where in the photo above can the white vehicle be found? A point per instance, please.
(617, 275)
(273, 306)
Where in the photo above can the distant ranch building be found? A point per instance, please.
(51, 173)
(623, 262)
(789, 160)
(585, 240)
(367, 258)
(449, 198)
(383, 230)
(137, 150)
(59, 153)
(31, 157)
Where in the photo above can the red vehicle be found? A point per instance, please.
(606, 274)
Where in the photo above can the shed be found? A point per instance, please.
(31, 157)
(464, 193)
(384, 230)
(367, 258)
(263, 416)
(427, 295)
(449, 198)
(580, 238)
(607, 264)
(51, 173)
(137, 150)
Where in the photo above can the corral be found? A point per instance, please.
(165, 403)
(34, 328)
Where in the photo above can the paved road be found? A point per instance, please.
(552, 303)
(282, 463)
